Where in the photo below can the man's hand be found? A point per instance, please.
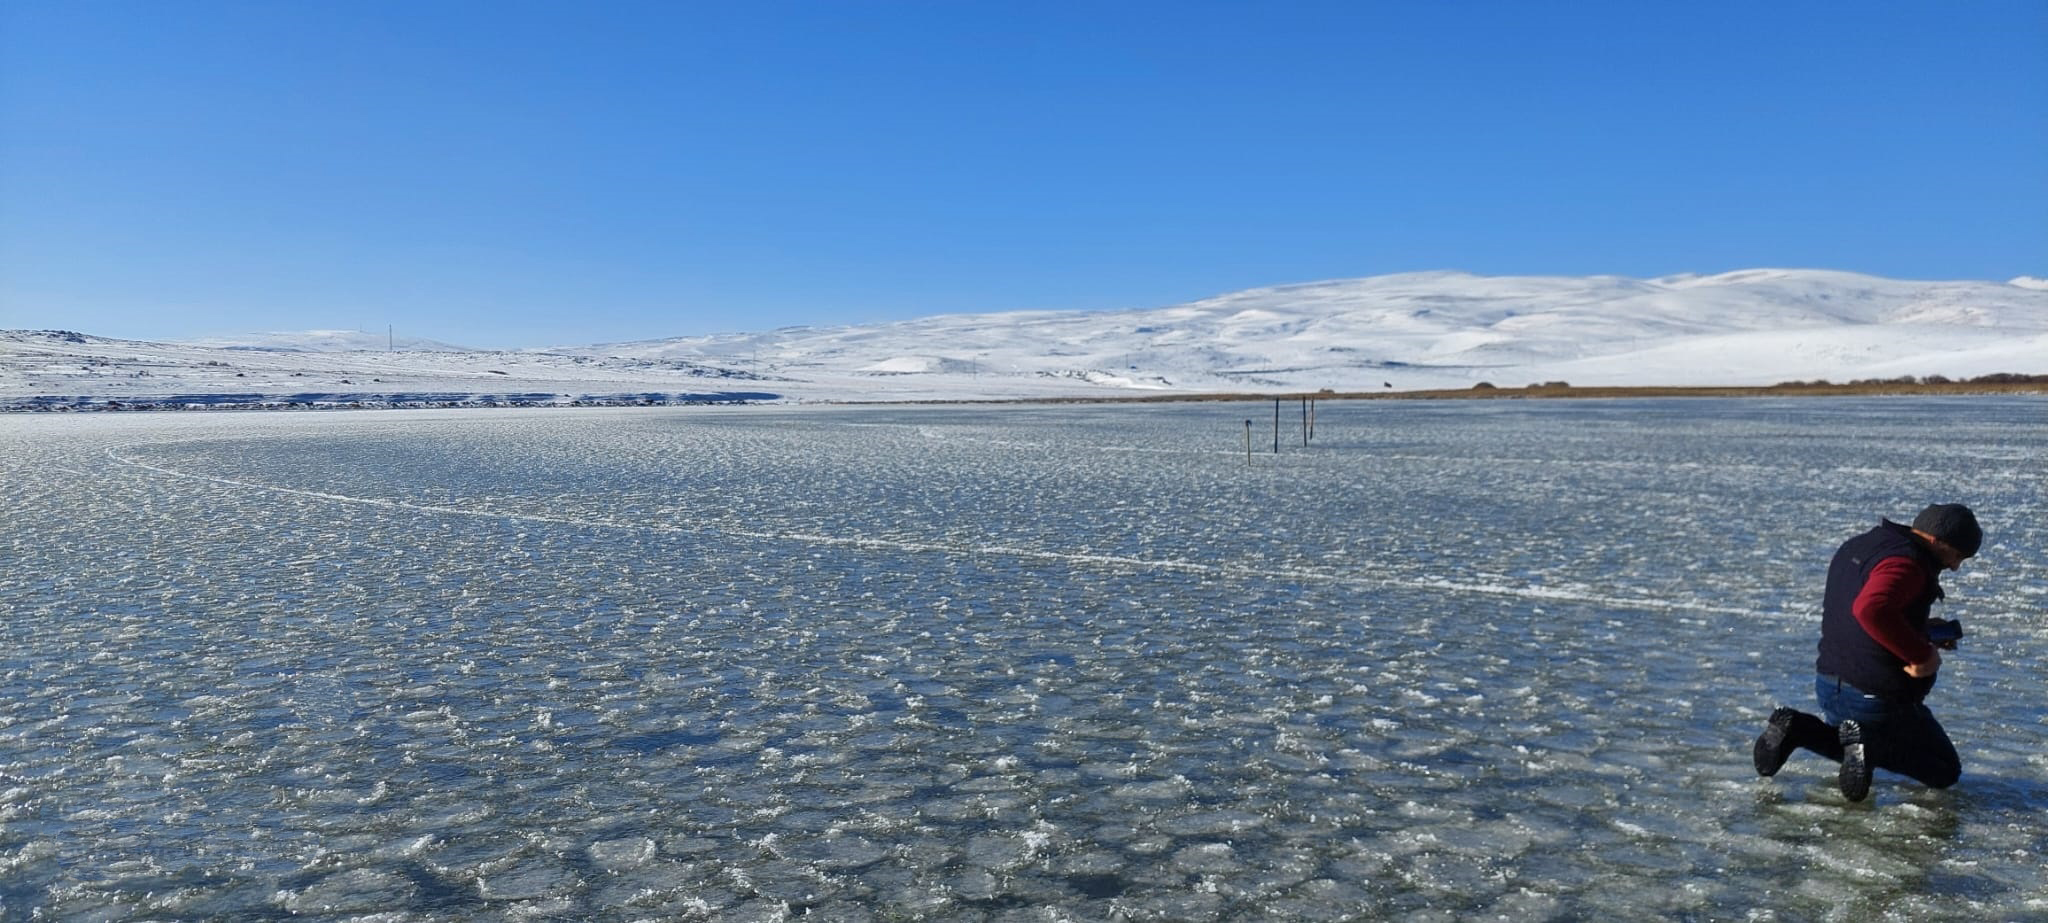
(1925, 668)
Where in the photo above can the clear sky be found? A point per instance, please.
(511, 173)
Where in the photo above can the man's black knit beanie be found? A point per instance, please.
(1954, 524)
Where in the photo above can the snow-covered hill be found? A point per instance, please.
(1441, 329)
(1404, 332)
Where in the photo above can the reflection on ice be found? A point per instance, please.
(1480, 661)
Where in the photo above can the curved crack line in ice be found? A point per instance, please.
(2006, 473)
(1632, 465)
(1066, 557)
(373, 501)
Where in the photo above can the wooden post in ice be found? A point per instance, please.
(1276, 426)
(1304, 421)
(1247, 443)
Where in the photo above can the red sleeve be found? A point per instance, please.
(1881, 608)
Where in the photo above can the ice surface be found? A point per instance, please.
(1472, 660)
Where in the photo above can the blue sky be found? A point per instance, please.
(511, 173)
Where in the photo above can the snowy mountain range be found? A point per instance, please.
(1410, 331)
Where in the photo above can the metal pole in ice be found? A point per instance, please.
(1304, 421)
(1247, 443)
(1276, 426)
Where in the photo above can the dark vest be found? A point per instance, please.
(1845, 649)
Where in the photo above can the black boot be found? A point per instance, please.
(1776, 743)
(1855, 775)
(1791, 729)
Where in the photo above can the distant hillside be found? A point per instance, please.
(1408, 332)
(1444, 329)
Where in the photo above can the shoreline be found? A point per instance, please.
(2033, 385)
(180, 403)
(185, 403)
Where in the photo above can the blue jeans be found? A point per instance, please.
(1902, 737)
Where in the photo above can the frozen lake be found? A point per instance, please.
(1460, 660)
